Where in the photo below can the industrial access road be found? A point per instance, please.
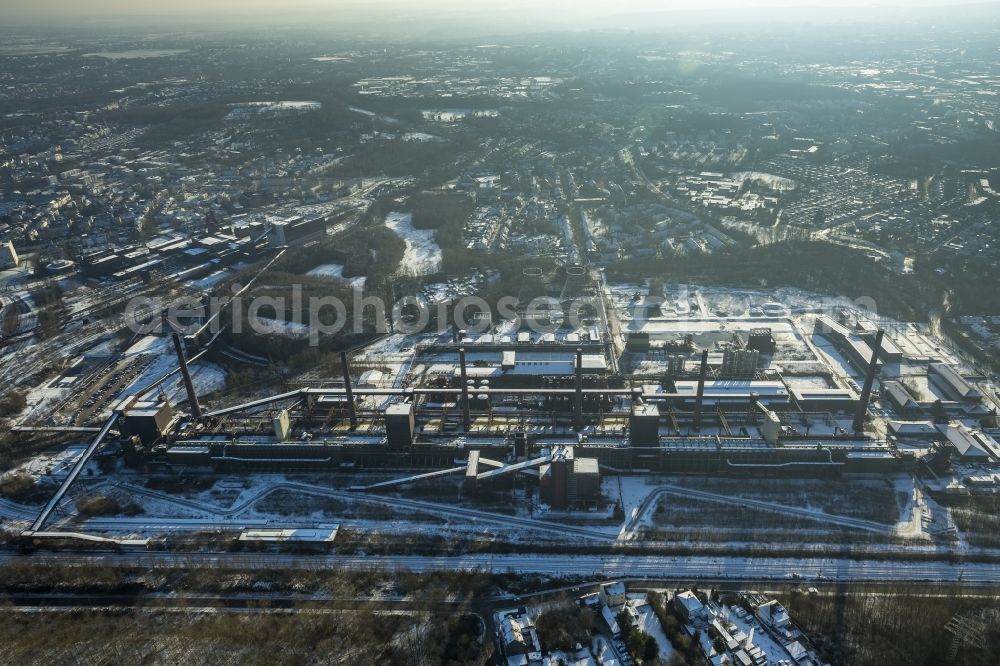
(798, 512)
(419, 506)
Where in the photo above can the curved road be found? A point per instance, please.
(799, 512)
(390, 502)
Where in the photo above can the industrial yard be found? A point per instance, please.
(677, 414)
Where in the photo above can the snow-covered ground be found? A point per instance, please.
(336, 272)
(55, 464)
(454, 115)
(807, 382)
(601, 648)
(104, 349)
(372, 114)
(328, 270)
(423, 255)
(834, 359)
(207, 377)
(650, 624)
(272, 107)
(632, 491)
(288, 329)
(41, 400)
(676, 327)
(211, 279)
(774, 650)
(770, 180)
(420, 137)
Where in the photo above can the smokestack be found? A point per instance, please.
(701, 390)
(466, 419)
(578, 397)
(350, 392)
(188, 384)
(866, 390)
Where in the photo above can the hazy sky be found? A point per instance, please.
(450, 18)
(138, 7)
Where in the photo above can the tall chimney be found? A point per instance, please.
(466, 419)
(578, 396)
(701, 390)
(866, 390)
(188, 384)
(350, 392)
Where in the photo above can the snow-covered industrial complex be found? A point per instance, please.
(663, 409)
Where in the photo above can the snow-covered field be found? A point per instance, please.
(336, 272)
(423, 255)
(288, 329)
(328, 271)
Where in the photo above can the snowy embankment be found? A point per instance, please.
(423, 254)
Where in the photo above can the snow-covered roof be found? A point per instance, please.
(953, 380)
(613, 589)
(729, 388)
(773, 613)
(912, 428)
(967, 443)
(692, 604)
(609, 617)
